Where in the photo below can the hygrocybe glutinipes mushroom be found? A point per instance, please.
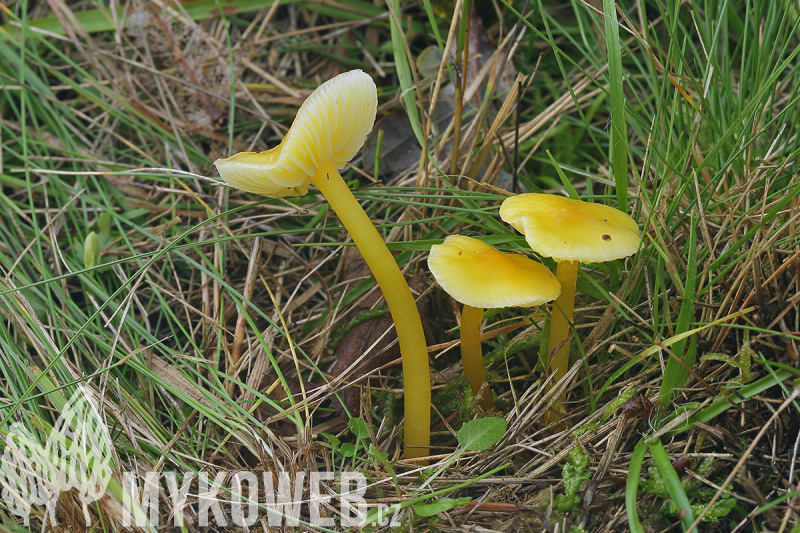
(328, 131)
(571, 232)
(480, 276)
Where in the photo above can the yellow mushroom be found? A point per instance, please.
(570, 231)
(480, 276)
(328, 131)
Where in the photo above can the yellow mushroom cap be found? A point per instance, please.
(330, 127)
(476, 274)
(571, 230)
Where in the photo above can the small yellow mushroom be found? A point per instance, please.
(480, 276)
(329, 129)
(570, 231)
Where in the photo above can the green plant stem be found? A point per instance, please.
(472, 355)
(558, 362)
(673, 483)
(413, 349)
(632, 486)
(619, 130)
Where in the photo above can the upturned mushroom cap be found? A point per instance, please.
(571, 230)
(330, 127)
(476, 274)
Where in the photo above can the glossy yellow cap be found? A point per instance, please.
(479, 275)
(571, 230)
(330, 127)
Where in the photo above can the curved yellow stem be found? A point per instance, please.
(472, 355)
(413, 348)
(558, 362)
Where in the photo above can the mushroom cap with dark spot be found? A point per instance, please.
(571, 230)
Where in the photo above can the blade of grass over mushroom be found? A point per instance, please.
(675, 374)
(619, 129)
(570, 188)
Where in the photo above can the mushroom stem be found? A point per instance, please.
(561, 318)
(472, 355)
(413, 348)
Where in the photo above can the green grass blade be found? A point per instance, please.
(102, 20)
(570, 188)
(619, 128)
(675, 374)
(707, 414)
(632, 486)
(673, 483)
(403, 66)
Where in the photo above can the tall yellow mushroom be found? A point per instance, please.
(329, 129)
(570, 231)
(480, 276)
